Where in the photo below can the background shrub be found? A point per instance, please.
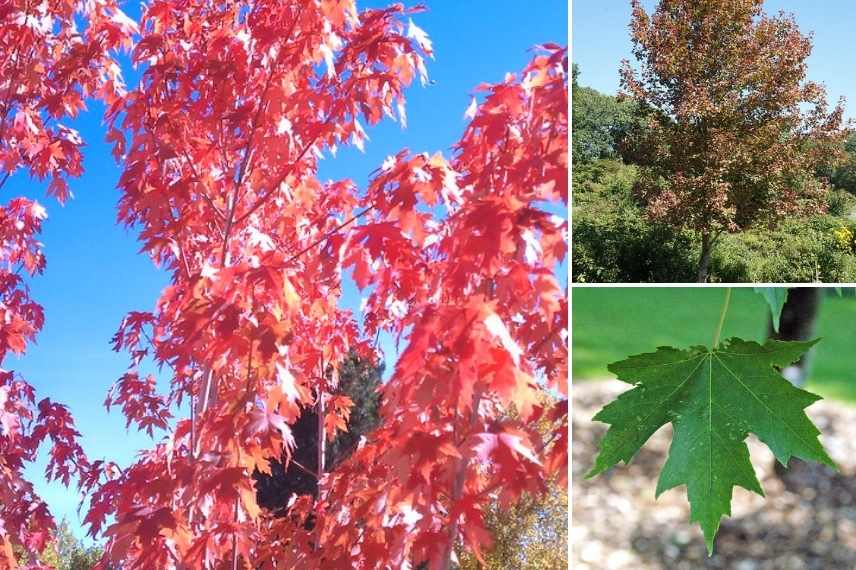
(624, 247)
(796, 251)
(613, 240)
(840, 202)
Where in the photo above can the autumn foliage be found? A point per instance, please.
(733, 132)
(219, 147)
(48, 67)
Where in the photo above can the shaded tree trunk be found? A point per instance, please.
(313, 456)
(799, 315)
(797, 322)
(704, 258)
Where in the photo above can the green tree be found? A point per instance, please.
(530, 535)
(68, 553)
(735, 132)
(843, 175)
(600, 123)
(359, 380)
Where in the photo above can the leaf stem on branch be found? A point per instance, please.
(722, 314)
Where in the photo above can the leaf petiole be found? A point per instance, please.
(722, 314)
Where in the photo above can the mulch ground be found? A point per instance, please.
(807, 521)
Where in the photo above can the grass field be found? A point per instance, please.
(611, 324)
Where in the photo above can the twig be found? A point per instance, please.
(328, 234)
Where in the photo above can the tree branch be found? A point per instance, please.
(328, 234)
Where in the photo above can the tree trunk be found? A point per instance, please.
(458, 488)
(203, 402)
(704, 259)
(799, 315)
(322, 438)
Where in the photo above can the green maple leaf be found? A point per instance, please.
(714, 399)
(776, 298)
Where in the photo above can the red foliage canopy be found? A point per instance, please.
(47, 69)
(219, 146)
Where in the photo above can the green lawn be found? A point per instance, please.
(611, 324)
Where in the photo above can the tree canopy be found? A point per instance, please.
(599, 124)
(219, 146)
(735, 132)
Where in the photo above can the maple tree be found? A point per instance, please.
(48, 68)
(733, 133)
(219, 146)
(714, 397)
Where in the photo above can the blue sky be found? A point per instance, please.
(600, 40)
(95, 274)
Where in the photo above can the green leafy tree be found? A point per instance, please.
(532, 535)
(843, 175)
(529, 535)
(599, 125)
(67, 552)
(359, 380)
(735, 133)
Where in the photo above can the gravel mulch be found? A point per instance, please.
(807, 521)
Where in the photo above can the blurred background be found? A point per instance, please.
(808, 519)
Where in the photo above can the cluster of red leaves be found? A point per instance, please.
(487, 320)
(24, 518)
(220, 146)
(47, 69)
(238, 103)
